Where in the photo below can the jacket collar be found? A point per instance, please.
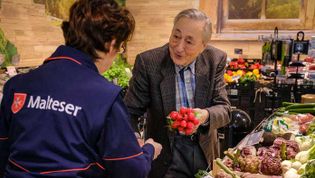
(69, 52)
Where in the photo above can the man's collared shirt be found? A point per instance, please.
(185, 86)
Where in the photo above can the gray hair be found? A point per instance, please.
(196, 14)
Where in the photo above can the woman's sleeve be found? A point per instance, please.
(4, 128)
(120, 151)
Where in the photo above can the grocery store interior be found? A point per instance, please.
(269, 75)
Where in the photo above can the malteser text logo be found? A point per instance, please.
(48, 103)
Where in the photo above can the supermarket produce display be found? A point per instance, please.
(282, 145)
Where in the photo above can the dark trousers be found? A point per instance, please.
(187, 159)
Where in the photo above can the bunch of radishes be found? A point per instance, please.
(184, 120)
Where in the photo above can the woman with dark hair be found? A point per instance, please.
(64, 119)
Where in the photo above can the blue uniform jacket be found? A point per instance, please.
(65, 120)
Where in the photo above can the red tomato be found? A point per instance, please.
(241, 66)
(229, 72)
(240, 61)
(253, 67)
(232, 64)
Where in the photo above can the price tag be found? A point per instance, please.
(234, 92)
(251, 139)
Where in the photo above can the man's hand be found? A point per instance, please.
(140, 141)
(202, 115)
(156, 145)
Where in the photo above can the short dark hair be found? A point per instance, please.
(92, 23)
(196, 14)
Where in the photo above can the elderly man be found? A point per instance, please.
(186, 72)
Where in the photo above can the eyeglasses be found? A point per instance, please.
(122, 48)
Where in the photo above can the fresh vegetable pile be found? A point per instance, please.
(119, 73)
(265, 160)
(242, 63)
(184, 121)
(242, 71)
(287, 148)
(7, 51)
(241, 76)
(294, 108)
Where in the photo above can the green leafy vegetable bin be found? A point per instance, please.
(119, 73)
(7, 50)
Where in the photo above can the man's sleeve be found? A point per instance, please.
(137, 97)
(219, 112)
(119, 148)
(4, 130)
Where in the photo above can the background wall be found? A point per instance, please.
(154, 22)
(39, 1)
(58, 8)
(27, 26)
(36, 35)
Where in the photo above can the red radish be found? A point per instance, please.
(183, 123)
(196, 121)
(191, 116)
(190, 125)
(189, 110)
(174, 115)
(179, 117)
(180, 129)
(188, 131)
(183, 110)
(175, 124)
(185, 117)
